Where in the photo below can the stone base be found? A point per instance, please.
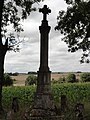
(43, 106)
(47, 118)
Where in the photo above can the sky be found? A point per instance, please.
(28, 59)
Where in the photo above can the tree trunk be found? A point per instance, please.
(3, 50)
(1, 79)
(1, 11)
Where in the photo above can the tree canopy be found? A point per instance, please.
(13, 12)
(74, 24)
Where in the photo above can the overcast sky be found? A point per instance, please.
(28, 57)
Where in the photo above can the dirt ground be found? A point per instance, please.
(20, 79)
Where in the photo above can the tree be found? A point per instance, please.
(74, 24)
(71, 78)
(30, 80)
(10, 15)
(85, 77)
(7, 81)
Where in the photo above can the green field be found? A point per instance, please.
(75, 92)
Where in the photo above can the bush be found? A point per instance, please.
(8, 81)
(61, 80)
(85, 77)
(71, 78)
(31, 79)
(54, 81)
(15, 74)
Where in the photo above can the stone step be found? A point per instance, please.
(48, 118)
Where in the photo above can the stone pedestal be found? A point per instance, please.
(43, 106)
(44, 83)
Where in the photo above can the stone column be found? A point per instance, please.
(43, 101)
(44, 74)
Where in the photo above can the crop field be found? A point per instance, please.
(75, 92)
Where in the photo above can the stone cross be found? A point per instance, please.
(45, 11)
(43, 102)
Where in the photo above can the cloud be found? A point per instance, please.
(29, 56)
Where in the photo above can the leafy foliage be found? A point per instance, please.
(85, 77)
(71, 78)
(25, 95)
(74, 24)
(31, 79)
(13, 12)
(60, 80)
(75, 93)
(8, 81)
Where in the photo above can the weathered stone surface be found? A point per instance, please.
(48, 118)
(43, 107)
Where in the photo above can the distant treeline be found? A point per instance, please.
(16, 73)
(33, 72)
(65, 72)
(13, 74)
